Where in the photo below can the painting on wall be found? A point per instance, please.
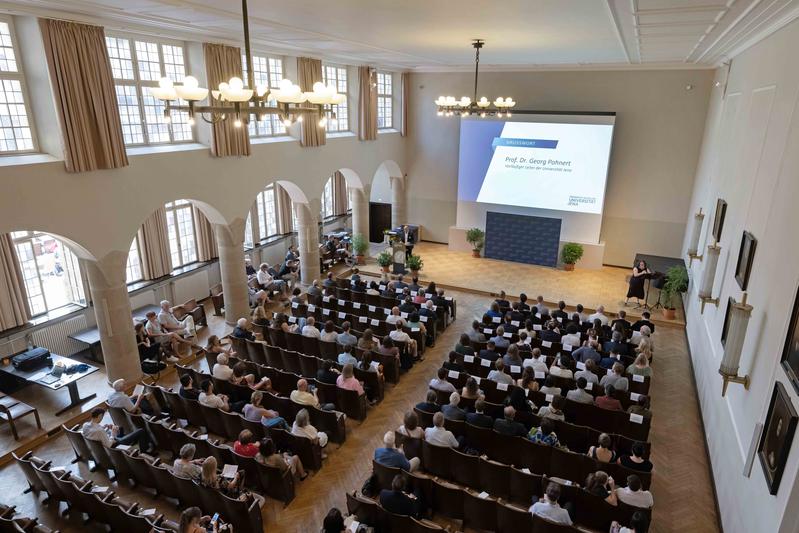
(775, 443)
(718, 220)
(746, 255)
(790, 352)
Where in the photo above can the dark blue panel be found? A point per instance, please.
(523, 239)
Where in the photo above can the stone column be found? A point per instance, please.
(308, 242)
(397, 202)
(359, 201)
(230, 242)
(109, 291)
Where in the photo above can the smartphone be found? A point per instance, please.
(215, 518)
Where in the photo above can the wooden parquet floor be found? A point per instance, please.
(682, 486)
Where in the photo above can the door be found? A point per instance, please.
(379, 220)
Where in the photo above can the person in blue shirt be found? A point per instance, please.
(346, 357)
(499, 340)
(391, 456)
(494, 311)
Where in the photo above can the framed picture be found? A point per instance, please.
(745, 257)
(718, 220)
(726, 327)
(790, 352)
(775, 443)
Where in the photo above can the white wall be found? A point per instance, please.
(655, 148)
(750, 157)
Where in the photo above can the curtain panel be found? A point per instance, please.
(283, 208)
(156, 260)
(83, 87)
(222, 62)
(206, 239)
(367, 104)
(14, 308)
(309, 71)
(339, 194)
(406, 93)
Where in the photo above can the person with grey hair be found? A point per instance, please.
(221, 369)
(303, 428)
(390, 456)
(616, 378)
(242, 330)
(616, 344)
(184, 327)
(438, 435)
(500, 341)
(310, 329)
(120, 399)
(186, 465)
(158, 333)
(451, 410)
(599, 315)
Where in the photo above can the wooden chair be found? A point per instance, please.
(278, 485)
(12, 410)
(465, 469)
(352, 403)
(448, 500)
(27, 466)
(436, 460)
(365, 510)
(494, 478)
(165, 484)
(100, 456)
(384, 474)
(479, 513)
(121, 467)
(542, 525)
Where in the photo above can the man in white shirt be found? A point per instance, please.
(131, 404)
(265, 279)
(588, 374)
(579, 394)
(549, 508)
(499, 374)
(209, 399)
(633, 494)
(616, 378)
(541, 309)
(310, 330)
(399, 335)
(440, 383)
(395, 316)
(221, 369)
(184, 327)
(302, 396)
(600, 315)
(108, 434)
(537, 362)
(438, 436)
(159, 334)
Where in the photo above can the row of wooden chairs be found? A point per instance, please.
(370, 512)
(345, 293)
(8, 523)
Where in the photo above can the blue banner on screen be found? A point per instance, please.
(545, 165)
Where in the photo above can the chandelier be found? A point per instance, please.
(449, 105)
(288, 101)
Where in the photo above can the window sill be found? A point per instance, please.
(176, 273)
(270, 140)
(340, 134)
(387, 130)
(26, 159)
(165, 148)
(60, 314)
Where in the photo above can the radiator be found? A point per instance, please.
(55, 338)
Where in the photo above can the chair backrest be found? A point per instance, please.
(542, 525)
(29, 471)
(494, 478)
(465, 469)
(255, 352)
(352, 403)
(121, 468)
(367, 511)
(524, 487)
(436, 459)
(99, 454)
(448, 500)
(479, 513)
(278, 484)
(120, 418)
(384, 474)
(165, 481)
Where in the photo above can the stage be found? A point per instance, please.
(606, 286)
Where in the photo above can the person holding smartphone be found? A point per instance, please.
(193, 521)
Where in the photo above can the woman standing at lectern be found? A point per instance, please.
(636, 289)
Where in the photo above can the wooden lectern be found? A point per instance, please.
(398, 255)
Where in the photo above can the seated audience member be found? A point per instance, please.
(512, 358)
(599, 315)
(282, 323)
(242, 330)
(479, 418)
(187, 389)
(470, 390)
(634, 494)
(550, 388)
(639, 523)
(131, 404)
(644, 333)
(346, 357)
(498, 375)
(545, 433)
(536, 362)
(508, 325)
(502, 300)
(347, 380)
(452, 363)
(395, 317)
(579, 394)
(607, 401)
(209, 399)
(572, 336)
(588, 374)
(345, 338)
(410, 426)
(475, 334)
(149, 349)
(296, 296)
(621, 319)
(221, 369)
(551, 332)
(560, 312)
(244, 445)
(515, 314)
(499, 340)
(437, 435)
(310, 329)
(644, 321)
(529, 329)
(429, 405)
(186, 465)
(508, 426)
(314, 289)
(451, 410)
(489, 352)
(616, 378)
(603, 452)
(523, 345)
(540, 307)
(414, 285)
(581, 313)
(388, 349)
(330, 281)
(215, 346)
(367, 364)
(110, 435)
(636, 460)
(183, 327)
(562, 366)
(303, 396)
(428, 309)
(600, 484)
(193, 521)
(494, 311)
(641, 407)
(374, 289)
(640, 367)
(645, 347)
(255, 412)
(518, 400)
(414, 324)
(523, 306)
(440, 382)
(327, 373)
(554, 410)
(616, 344)
(267, 455)
(210, 478)
(397, 501)
(587, 352)
(240, 377)
(464, 345)
(303, 428)
(329, 334)
(527, 381)
(407, 306)
(160, 335)
(398, 335)
(549, 508)
(390, 456)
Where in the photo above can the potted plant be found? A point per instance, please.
(384, 259)
(476, 237)
(570, 254)
(414, 264)
(359, 246)
(676, 283)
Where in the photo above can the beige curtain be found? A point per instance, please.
(83, 86)
(154, 244)
(339, 194)
(283, 210)
(367, 104)
(309, 71)
(222, 63)
(14, 308)
(204, 233)
(255, 224)
(406, 93)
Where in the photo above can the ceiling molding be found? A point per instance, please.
(615, 17)
(568, 67)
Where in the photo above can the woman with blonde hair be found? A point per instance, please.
(260, 316)
(641, 366)
(211, 479)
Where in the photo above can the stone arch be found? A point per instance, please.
(78, 249)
